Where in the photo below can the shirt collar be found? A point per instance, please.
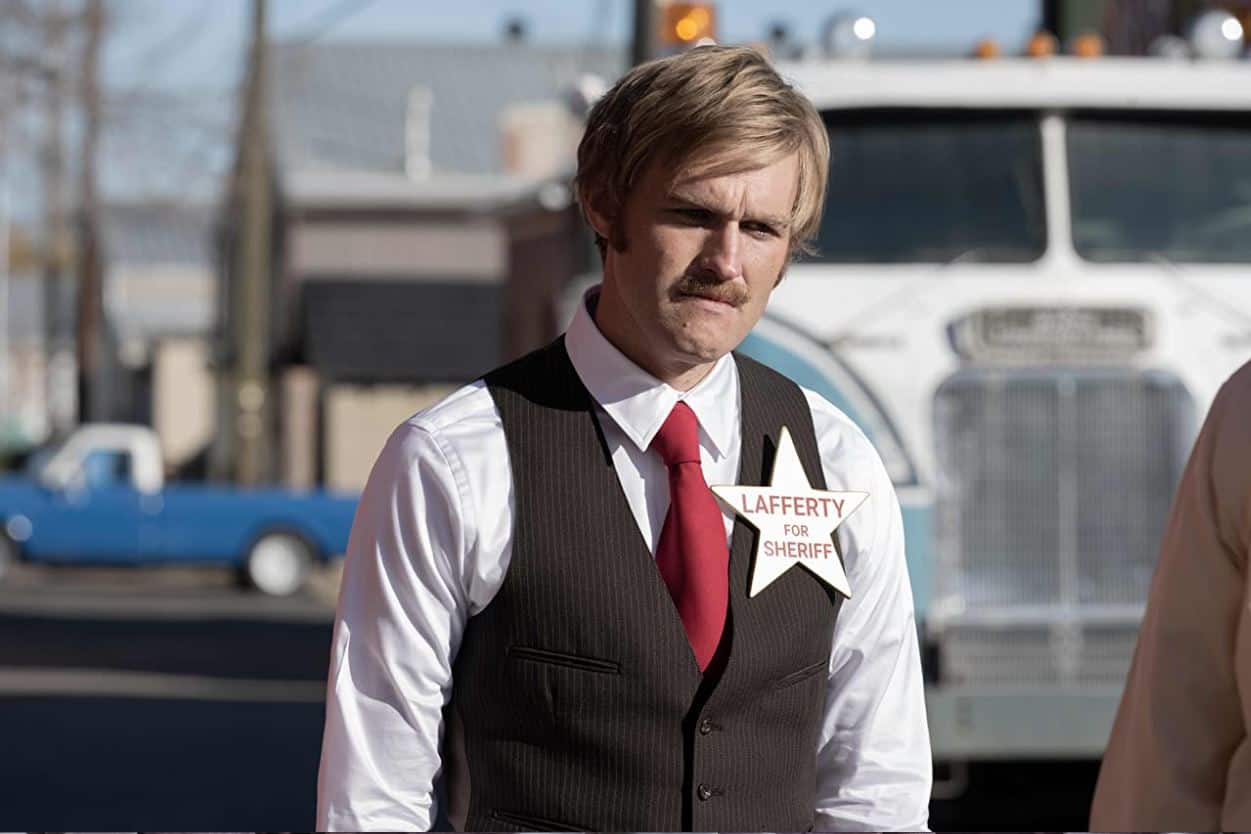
(638, 402)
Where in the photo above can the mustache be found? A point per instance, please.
(736, 295)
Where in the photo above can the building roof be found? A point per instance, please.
(345, 105)
(313, 190)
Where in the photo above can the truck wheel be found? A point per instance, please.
(278, 564)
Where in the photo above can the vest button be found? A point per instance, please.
(704, 792)
(706, 727)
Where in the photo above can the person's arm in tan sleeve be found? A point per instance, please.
(1180, 718)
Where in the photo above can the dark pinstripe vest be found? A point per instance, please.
(577, 703)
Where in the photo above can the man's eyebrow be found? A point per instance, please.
(771, 220)
(678, 197)
(775, 221)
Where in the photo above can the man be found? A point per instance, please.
(1180, 758)
(543, 601)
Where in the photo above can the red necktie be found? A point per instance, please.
(692, 555)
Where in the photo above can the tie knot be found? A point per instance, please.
(678, 438)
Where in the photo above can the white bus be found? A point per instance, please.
(1033, 277)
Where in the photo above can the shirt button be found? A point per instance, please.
(706, 727)
(704, 792)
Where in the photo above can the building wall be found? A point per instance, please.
(184, 398)
(298, 428)
(358, 421)
(546, 251)
(419, 332)
(407, 248)
(25, 413)
(390, 309)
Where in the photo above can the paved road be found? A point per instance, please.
(165, 700)
(158, 700)
(119, 764)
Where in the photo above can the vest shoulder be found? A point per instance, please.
(756, 373)
(524, 368)
(838, 437)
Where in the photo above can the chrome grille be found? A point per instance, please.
(1053, 488)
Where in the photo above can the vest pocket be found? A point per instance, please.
(528, 823)
(570, 661)
(797, 677)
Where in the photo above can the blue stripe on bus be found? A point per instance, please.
(918, 522)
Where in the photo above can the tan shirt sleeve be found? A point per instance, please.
(1178, 757)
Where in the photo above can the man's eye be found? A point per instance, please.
(692, 215)
(760, 229)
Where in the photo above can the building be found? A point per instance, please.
(160, 301)
(23, 376)
(423, 228)
(159, 307)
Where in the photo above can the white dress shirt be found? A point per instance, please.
(1179, 758)
(432, 541)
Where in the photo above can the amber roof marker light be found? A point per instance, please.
(1042, 45)
(1087, 45)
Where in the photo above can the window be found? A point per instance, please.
(1161, 186)
(106, 468)
(933, 186)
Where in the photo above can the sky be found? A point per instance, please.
(199, 43)
(172, 68)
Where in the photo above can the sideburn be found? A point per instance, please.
(617, 235)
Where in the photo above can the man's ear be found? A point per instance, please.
(592, 208)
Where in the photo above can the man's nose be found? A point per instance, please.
(721, 252)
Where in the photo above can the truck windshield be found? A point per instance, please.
(1157, 186)
(933, 186)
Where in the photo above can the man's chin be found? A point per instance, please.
(704, 338)
(702, 351)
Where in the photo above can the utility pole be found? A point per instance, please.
(643, 46)
(250, 295)
(90, 291)
(1052, 17)
(58, 349)
(8, 109)
(1068, 18)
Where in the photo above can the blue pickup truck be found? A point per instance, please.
(100, 498)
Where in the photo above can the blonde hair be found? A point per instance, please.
(723, 107)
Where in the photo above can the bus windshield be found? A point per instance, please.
(1156, 186)
(933, 186)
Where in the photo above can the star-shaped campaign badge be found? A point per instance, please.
(796, 522)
